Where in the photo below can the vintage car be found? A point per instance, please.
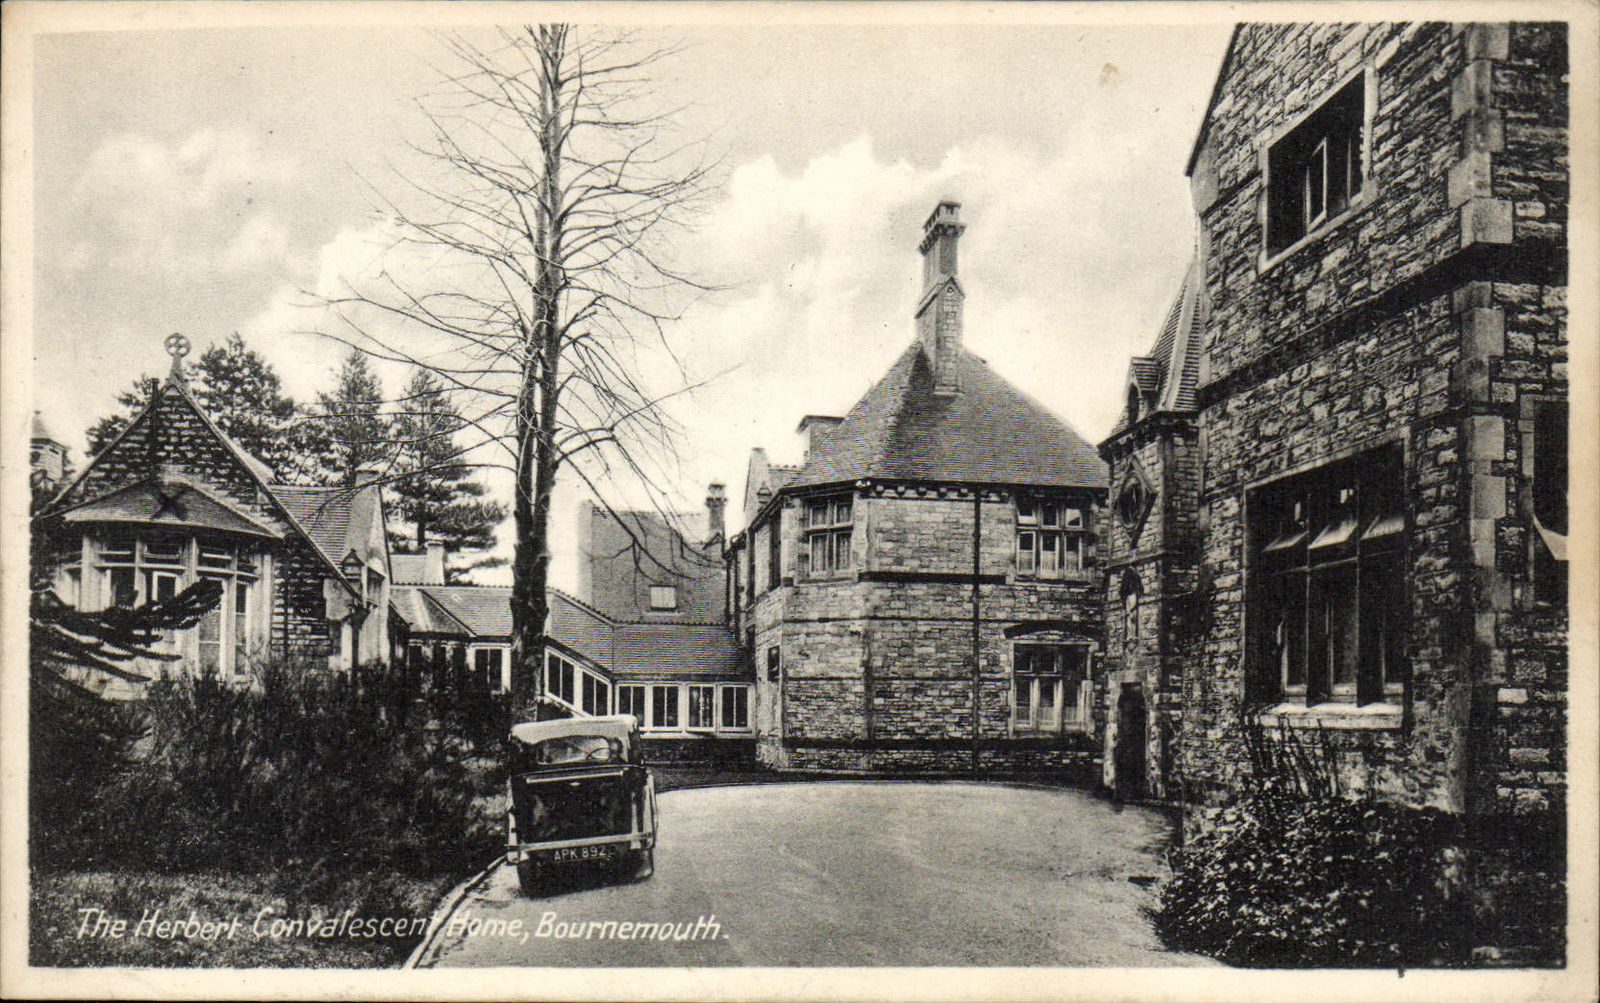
(580, 799)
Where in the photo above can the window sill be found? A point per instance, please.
(1383, 716)
(1073, 578)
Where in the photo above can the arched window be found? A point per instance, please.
(1133, 403)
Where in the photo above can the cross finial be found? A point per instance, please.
(177, 347)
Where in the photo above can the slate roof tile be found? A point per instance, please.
(989, 433)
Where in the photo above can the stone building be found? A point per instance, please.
(646, 636)
(1151, 545)
(1359, 514)
(305, 571)
(922, 594)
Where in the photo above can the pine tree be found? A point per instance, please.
(244, 395)
(438, 499)
(350, 424)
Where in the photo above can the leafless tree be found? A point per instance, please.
(536, 280)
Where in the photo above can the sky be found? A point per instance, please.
(201, 181)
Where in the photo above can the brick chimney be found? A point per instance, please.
(939, 310)
(716, 512)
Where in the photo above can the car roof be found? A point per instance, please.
(612, 726)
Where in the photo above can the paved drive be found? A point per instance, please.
(847, 874)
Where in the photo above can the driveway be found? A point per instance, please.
(852, 874)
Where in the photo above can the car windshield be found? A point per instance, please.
(578, 749)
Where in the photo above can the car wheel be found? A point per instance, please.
(531, 877)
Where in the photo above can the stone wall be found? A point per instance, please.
(1431, 314)
(876, 661)
(1160, 553)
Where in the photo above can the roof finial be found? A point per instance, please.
(177, 347)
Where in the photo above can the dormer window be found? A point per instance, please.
(1317, 169)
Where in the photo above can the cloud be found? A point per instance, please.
(196, 207)
(1069, 262)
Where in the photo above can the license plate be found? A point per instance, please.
(579, 854)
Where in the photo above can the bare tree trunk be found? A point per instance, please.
(562, 185)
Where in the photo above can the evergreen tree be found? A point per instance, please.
(352, 429)
(243, 394)
(438, 500)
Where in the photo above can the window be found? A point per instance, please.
(702, 707)
(828, 532)
(560, 678)
(774, 663)
(775, 550)
(630, 700)
(131, 570)
(735, 708)
(1132, 505)
(1316, 170)
(663, 706)
(489, 665)
(596, 694)
(1327, 595)
(1550, 501)
(1049, 538)
(1050, 688)
(663, 597)
(1130, 609)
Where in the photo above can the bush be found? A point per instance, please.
(1290, 882)
(322, 779)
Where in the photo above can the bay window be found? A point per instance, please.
(130, 569)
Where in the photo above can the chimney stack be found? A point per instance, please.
(939, 311)
(814, 427)
(433, 567)
(716, 510)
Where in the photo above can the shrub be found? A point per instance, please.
(322, 779)
(1290, 882)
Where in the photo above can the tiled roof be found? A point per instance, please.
(629, 650)
(988, 433)
(174, 504)
(325, 515)
(485, 610)
(1170, 374)
(656, 650)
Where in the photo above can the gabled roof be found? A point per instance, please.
(1169, 376)
(171, 502)
(258, 471)
(989, 433)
